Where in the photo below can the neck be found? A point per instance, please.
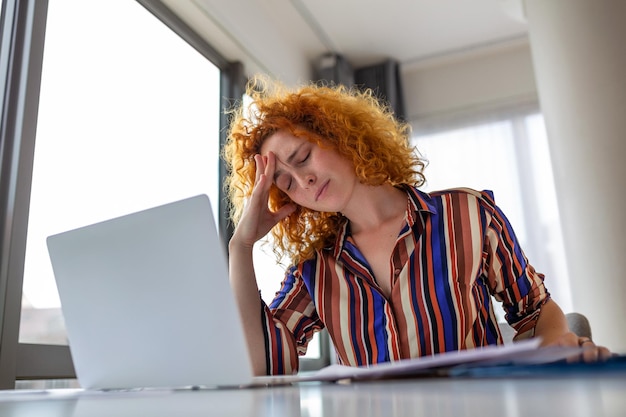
(371, 207)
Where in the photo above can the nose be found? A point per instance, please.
(306, 180)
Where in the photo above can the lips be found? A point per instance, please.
(321, 190)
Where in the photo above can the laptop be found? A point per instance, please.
(147, 301)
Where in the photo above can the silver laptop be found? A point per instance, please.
(147, 301)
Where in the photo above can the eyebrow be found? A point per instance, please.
(293, 154)
(289, 160)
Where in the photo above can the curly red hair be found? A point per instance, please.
(353, 122)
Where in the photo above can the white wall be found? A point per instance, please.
(467, 83)
(580, 61)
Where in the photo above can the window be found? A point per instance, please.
(111, 73)
(128, 119)
(511, 158)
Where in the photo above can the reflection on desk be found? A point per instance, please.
(582, 395)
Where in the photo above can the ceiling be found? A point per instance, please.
(409, 30)
(269, 33)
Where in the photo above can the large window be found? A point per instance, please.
(120, 111)
(128, 119)
(510, 157)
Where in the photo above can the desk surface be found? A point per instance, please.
(581, 395)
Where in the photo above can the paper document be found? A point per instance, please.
(523, 352)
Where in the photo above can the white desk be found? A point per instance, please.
(571, 396)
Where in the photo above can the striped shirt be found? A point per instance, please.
(455, 251)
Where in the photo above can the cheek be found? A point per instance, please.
(337, 161)
(301, 198)
(296, 197)
(343, 165)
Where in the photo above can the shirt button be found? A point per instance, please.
(397, 271)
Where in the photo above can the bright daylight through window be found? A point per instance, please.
(128, 119)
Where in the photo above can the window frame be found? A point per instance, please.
(22, 36)
(22, 32)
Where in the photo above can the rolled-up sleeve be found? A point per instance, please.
(513, 280)
(289, 323)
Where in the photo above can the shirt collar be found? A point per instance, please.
(418, 201)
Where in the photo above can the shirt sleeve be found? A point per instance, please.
(289, 323)
(512, 279)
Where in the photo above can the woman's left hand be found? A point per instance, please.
(591, 352)
(553, 329)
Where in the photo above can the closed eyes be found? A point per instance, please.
(285, 181)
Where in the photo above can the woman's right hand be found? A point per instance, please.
(257, 219)
(255, 222)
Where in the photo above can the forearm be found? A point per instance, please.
(552, 324)
(245, 289)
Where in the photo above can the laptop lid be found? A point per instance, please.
(147, 301)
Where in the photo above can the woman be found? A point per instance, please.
(390, 271)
